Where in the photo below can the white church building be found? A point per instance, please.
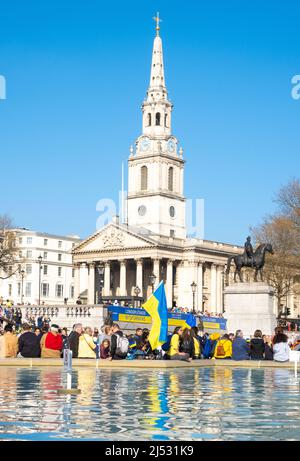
(153, 241)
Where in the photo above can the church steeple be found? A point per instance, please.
(156, 168)
(156, 108)
(157, 78)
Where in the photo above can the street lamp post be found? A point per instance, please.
(40, 268)
(101, 283)
(152, 279)
(22, 284)
(193, 286)
(136, 292)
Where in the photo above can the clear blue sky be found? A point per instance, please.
(77, 72)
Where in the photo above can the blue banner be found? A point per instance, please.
(131, 315)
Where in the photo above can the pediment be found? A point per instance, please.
(113, 237)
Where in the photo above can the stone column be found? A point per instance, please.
(213, 288)
(77, 281)
(84, 271)
(91, 284)
(199, 282)
(169, 284)
(107, 279)
(156, 271)
(219, 290)
(139, 275)
(123, 290)
(291, 302)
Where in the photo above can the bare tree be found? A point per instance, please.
(8, 247)
(281, 268)
(288, 199)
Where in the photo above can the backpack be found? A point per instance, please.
(220, 350)
(208, 348)
(122, 345)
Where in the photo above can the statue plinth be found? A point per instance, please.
(250, 307)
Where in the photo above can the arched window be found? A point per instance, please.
(166, 120)
(157, 118)
(149, 119)
(170, 178)
(144, 178)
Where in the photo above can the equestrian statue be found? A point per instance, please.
(249, 258)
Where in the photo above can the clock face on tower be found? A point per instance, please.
(171, 145)
(144, 144)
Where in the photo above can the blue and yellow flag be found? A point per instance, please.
(156, 306)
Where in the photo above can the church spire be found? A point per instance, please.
(157, 77)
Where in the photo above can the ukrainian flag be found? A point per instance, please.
(156, 306)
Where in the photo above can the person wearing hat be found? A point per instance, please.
(51, 343)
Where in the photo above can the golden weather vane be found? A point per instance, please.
(158, 20)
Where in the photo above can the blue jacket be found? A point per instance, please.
(240, 349)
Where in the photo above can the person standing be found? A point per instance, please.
(119, 344)
(29, 343)
(74, 339)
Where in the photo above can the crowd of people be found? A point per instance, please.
(110, 343)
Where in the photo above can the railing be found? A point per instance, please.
(55, 311)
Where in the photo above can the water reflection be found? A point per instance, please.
(211, 403)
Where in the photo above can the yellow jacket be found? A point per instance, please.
(174, 346)
(196, 348)
(87, 347)
(227, 345)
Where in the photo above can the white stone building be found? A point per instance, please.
(154, 237)
(56, 271)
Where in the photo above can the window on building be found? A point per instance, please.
(28, 289)
(166, 120)
(45, 290)
(10, 270)
(29, 240)
(20, 240)
(45, 270)
(59, 256)
(73, 272)
(157, 118)
(59, 271)
(45, 255)
(45, 242)
(59, 291)
(19, 289)
(28, 254)
(170, 178)
(9, 289)
(149, 119)
(72, 291)
(172, 233)
(20, 254)
(60, 244)
(28, 269)
(144, 178)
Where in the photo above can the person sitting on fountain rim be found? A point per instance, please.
(249, 251)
